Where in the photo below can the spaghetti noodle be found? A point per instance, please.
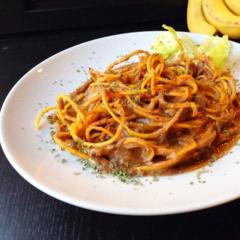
(149, 116)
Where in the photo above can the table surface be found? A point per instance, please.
(27, 213)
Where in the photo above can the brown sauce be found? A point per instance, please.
(207, 157)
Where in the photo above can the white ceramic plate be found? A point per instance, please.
(31, 152)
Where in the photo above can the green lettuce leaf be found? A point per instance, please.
(170, 44)
(218, 48)
(165, 45)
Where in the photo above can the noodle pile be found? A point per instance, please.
(149, 116)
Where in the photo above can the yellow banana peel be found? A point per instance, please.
(217, 14)
(196, 21)
(233, 5)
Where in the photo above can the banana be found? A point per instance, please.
(195, 19)
(234, 6)
(221, 17)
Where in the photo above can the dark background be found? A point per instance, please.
(31, 31)
(35, 15)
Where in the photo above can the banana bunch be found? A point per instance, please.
(211, 16)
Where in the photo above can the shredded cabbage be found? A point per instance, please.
(169, 44)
